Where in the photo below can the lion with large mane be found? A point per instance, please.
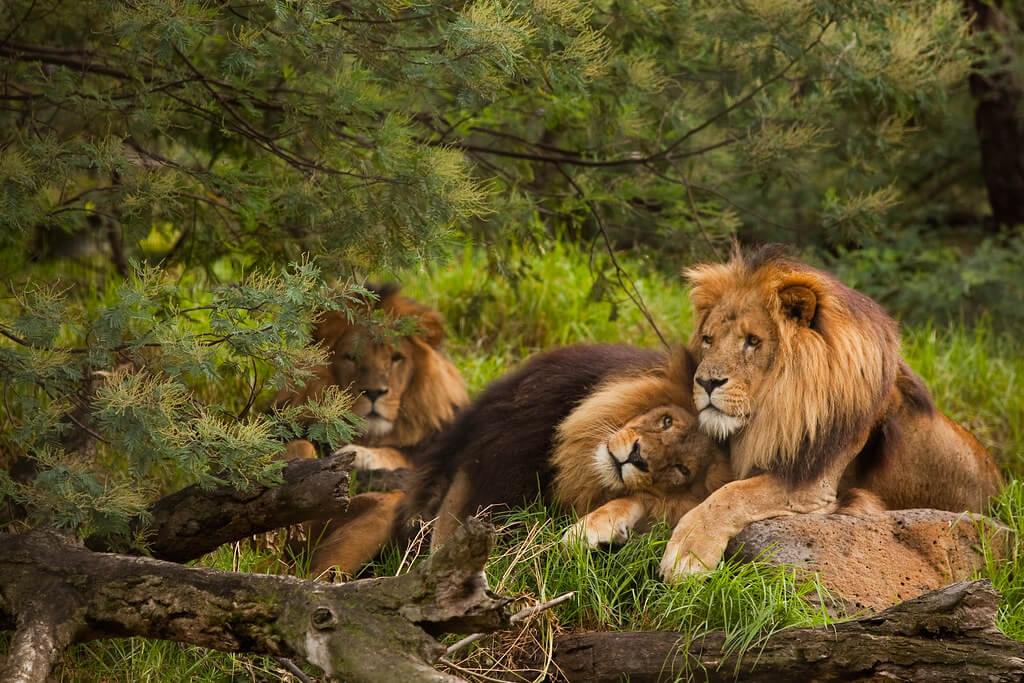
(405, 387)
(607, 431)
(803, 378)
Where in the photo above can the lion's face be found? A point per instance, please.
(736, 347)
(378, 374)
(661, 452)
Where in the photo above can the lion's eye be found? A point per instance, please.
(666, 421)
(350, 357)
(397, 358)
(683, 470)
(706, 340)
(753, 341)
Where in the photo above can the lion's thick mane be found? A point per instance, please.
(831, 378)
(577, 483)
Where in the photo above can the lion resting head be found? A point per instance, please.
(660, 452)
(406, 388)
(632, 435)
(657, 466)
(792, 364)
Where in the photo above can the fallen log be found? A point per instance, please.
(56, 593)
(944, 635)
(186, 525)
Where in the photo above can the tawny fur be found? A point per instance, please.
(424, 389)
(836, 374)
(578, 485)
(678, 468)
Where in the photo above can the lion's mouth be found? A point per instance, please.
(718, 424)
(378, 425)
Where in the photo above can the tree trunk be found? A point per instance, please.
(945, 635)
(997, 117)
(192, 522)
(374, 630)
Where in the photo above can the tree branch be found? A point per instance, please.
(946, 635)
(362, 631)
(625, 281)
(192, 522)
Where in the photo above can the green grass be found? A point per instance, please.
(975, 374)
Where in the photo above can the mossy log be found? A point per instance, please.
(945, 635)
(55, 593)
(186, 525)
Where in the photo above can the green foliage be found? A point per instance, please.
(924, 278)
(1006, 573)
(374, 132)
(107, 400)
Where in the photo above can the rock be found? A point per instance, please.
(875, 561)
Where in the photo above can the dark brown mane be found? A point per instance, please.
(502, 441)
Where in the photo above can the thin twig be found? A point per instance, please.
(574, 158)
(625, 281)
(85, 429)
(521, 615)
(14, 338)
(746, 98)
(696, 216)
(292, 668)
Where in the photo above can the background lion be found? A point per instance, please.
(803, 377)
(406, 388)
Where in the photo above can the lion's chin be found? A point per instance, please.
(718, 425)
(378, 426)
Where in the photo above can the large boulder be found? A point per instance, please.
(872, 562)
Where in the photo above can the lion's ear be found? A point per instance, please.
(799, 304)
(431, 328)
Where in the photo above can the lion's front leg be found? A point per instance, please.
(367, 458)
(612, 523)
(698, 542)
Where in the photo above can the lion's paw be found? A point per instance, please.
(694, 548)
(679, 562)
(597, 531)
(363, 458)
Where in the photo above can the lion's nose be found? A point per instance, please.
(373, 394)
(634, 458)
(711, 384)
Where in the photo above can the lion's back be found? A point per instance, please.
(500, 444)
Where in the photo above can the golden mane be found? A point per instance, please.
(577, 484)
(831, 377)
(435, 394)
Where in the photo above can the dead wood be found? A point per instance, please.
(56, 593)
(192, 522)
(944, 635)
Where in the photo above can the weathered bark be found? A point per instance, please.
(999, 93)
(945, 635)
(374, 630)
(192, 522)
(47, 622)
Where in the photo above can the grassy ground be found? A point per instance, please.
(974, 373)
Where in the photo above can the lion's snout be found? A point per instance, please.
(625, 449)
(709, 384)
